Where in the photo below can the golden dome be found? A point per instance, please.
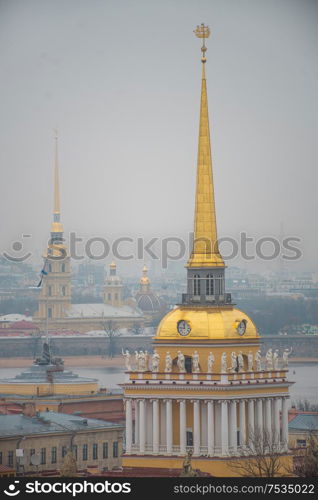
(206, 323)
(113, 265)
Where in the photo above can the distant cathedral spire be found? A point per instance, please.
(57, 228)
(205, 251)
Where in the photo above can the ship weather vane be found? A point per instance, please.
(203, 32)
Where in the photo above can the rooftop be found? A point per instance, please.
(102, 311)
(49, 422)
(305, 421)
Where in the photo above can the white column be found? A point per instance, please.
(210, 428)
(224, 428)
(242, 423)
(169, 425)
(136, 441)
(155, 426)
(259, 417)
(276, 429)
(233, 426)
(250, 421)
(285, 422)
(183, 427)
(196, 428)
(142, 426)
(128, 426)
(268, 419)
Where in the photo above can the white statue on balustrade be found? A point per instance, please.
(240, 361)
(275, 359)
(181, 362)
(258, 361)
(126, 355)
(155, 362)
(195, 362)
(286, 353)
(250, 361)
(168, 367)
(233, 362)
(141, 361)
(269, 360)
(211, 360)
(223, 363)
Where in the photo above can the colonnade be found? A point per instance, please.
(210, 427)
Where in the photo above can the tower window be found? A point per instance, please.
(196, 285)
(209, 285)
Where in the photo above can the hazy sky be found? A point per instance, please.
(120, 79)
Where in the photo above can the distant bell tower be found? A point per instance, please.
(55, 294)
(113, 289)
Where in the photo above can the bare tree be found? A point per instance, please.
(136, 329)
(112, 332)
(261, 456)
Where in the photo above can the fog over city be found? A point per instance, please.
(120, 80)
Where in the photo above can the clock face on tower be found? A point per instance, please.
(241, 328)
(183, 328)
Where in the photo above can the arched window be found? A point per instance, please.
(63, 268)
(209, 284)
(196, 285)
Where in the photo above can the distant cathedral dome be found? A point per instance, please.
(147, 300)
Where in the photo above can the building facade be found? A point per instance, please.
(45, 439)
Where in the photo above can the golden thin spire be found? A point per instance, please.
(205, 251)
(56, 224)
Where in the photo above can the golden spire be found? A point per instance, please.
(56, 225)
(205, 251)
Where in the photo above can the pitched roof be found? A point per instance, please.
(308, 422)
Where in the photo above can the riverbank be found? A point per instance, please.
(101, 361)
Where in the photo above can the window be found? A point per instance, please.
(32, 452)
(196, 285)
(0, 457)
(53, 455)
(49, 292)
(209, 285)
(189, 438)
(85, 452)
(63, 268)
(109, 296)
(75, 451)
(188, 364)
(116, 296)
(105, 450)
(115, 449)
(301, 443)
(95, 451)
(64, 451)
(50, 312)
(50, 268)
(10, 458)
(43, 456)
(63, 291)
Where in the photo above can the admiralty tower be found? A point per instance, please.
(206, 387)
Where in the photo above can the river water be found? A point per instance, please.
(304, 376)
